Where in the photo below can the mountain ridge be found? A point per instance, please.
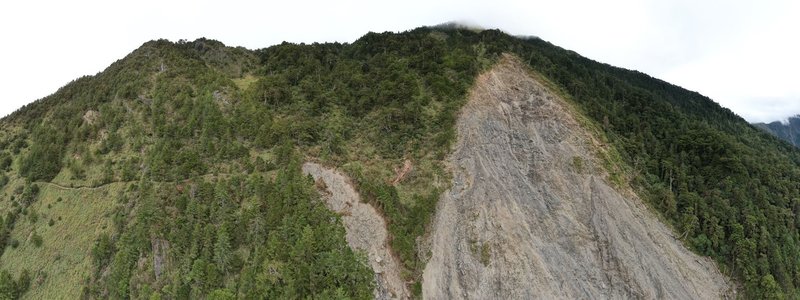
(170, 113)
(788, 131)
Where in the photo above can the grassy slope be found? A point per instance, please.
(60, 265)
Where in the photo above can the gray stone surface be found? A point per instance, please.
(531, 213)
(365, 227)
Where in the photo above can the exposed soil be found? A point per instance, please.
(366, 229)
(400, 173)
(531, 213)
(91, 116)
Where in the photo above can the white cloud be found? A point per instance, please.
(754, 72)
(740, 53)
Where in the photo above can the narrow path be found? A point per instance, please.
(84, 187)
(74, 188)
(366, 230)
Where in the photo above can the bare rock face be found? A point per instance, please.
(532, 215)
(365, 230)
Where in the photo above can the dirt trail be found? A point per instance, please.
(531, 215)
(366, 230)
(75, 188)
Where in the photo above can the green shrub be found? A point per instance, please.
(36, 239)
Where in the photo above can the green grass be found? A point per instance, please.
(60, 265)
(7, 192)
(245, 82)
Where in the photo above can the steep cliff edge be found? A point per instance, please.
(532, 215)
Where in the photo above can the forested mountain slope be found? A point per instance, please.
(175, 172)
(788, 131)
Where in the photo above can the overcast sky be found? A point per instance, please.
(742, 54)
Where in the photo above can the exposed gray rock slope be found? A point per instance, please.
(532, 215)
(366, 230)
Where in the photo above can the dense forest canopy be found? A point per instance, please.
(202, 143)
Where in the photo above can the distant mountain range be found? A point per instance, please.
(788, 131)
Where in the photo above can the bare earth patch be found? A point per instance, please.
(366, 229)
(400, 173)
(531, 213)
